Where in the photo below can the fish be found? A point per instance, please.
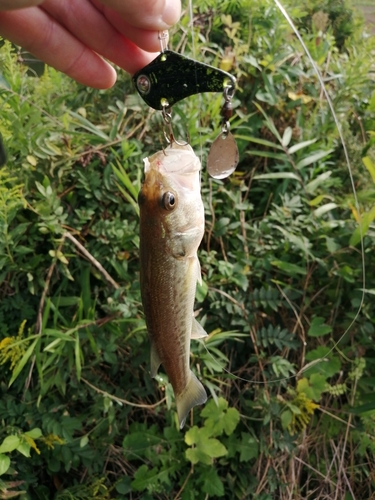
(171, 230)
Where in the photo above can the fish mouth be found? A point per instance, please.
(175, 162)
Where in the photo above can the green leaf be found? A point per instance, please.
(329, 366)
(287, 136)
(314, 184)
(258, 140)
(313, 158)
(286, 419)
(139, 444)
(220, 418)
(83, 441)
(201, 291)
(206, 448)
(358, 410)
(312, 387)
(87, 125)
(25, 358)
(195, 455)
(277, 175)
(9, 444)
(289, 268)
(366, 219)
(247, 447)
(300, 145)
(24, 449)
(327, 207)
(318, 328)
(123, 486)
(212, 484)
(369, 164)
(4, 463)
(34, 433)
(145, 478)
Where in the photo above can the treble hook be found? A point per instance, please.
(167, 117)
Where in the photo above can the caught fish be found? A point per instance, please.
(171, 229)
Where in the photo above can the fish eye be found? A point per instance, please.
(168, 200)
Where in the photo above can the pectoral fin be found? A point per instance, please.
(197, 330)
(193, 395)
(155, 361)
(199, 271)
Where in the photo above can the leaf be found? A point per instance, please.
(370, 167)
(123, 486)
(266, 154)
(24, 449)
(212, 484)
(195, 455)
(317, 200)
(324, 209)
(318, 328)
(363, 408)
(201, 291)
(329, 365)
(86, 124)
(366, 220)
(220, 418)
(9, 444)
(289, 268)
(206, 448)
(315, 183)
(277, 175)
(83, 441)
(4, 464)
(258, 140)
(287, 136)
(35, 433)
(300, 242)
(313, 158)
(25, 358)
(145, 478)
(312, 387)
(286, 418)
(300, 145)
(247, 447)
(137, 444)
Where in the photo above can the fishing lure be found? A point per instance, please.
(172, 77)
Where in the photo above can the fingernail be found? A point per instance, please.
(172, 12)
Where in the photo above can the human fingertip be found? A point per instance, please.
(172, 12)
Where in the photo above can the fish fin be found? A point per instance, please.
(193, 395)
(155, 361)
(199, 272)
(197, 330)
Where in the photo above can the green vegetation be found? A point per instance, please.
(281, 262)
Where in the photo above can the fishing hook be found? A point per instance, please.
(167, 118)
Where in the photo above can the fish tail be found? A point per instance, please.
(193, 395)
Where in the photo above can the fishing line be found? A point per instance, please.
(200, 97)
(356, 203)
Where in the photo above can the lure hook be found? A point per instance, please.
(167, 118)
(163, 39)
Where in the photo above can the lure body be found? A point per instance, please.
(171, 229)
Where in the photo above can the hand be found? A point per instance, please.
(73, 36)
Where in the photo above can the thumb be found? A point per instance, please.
(152, 15)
